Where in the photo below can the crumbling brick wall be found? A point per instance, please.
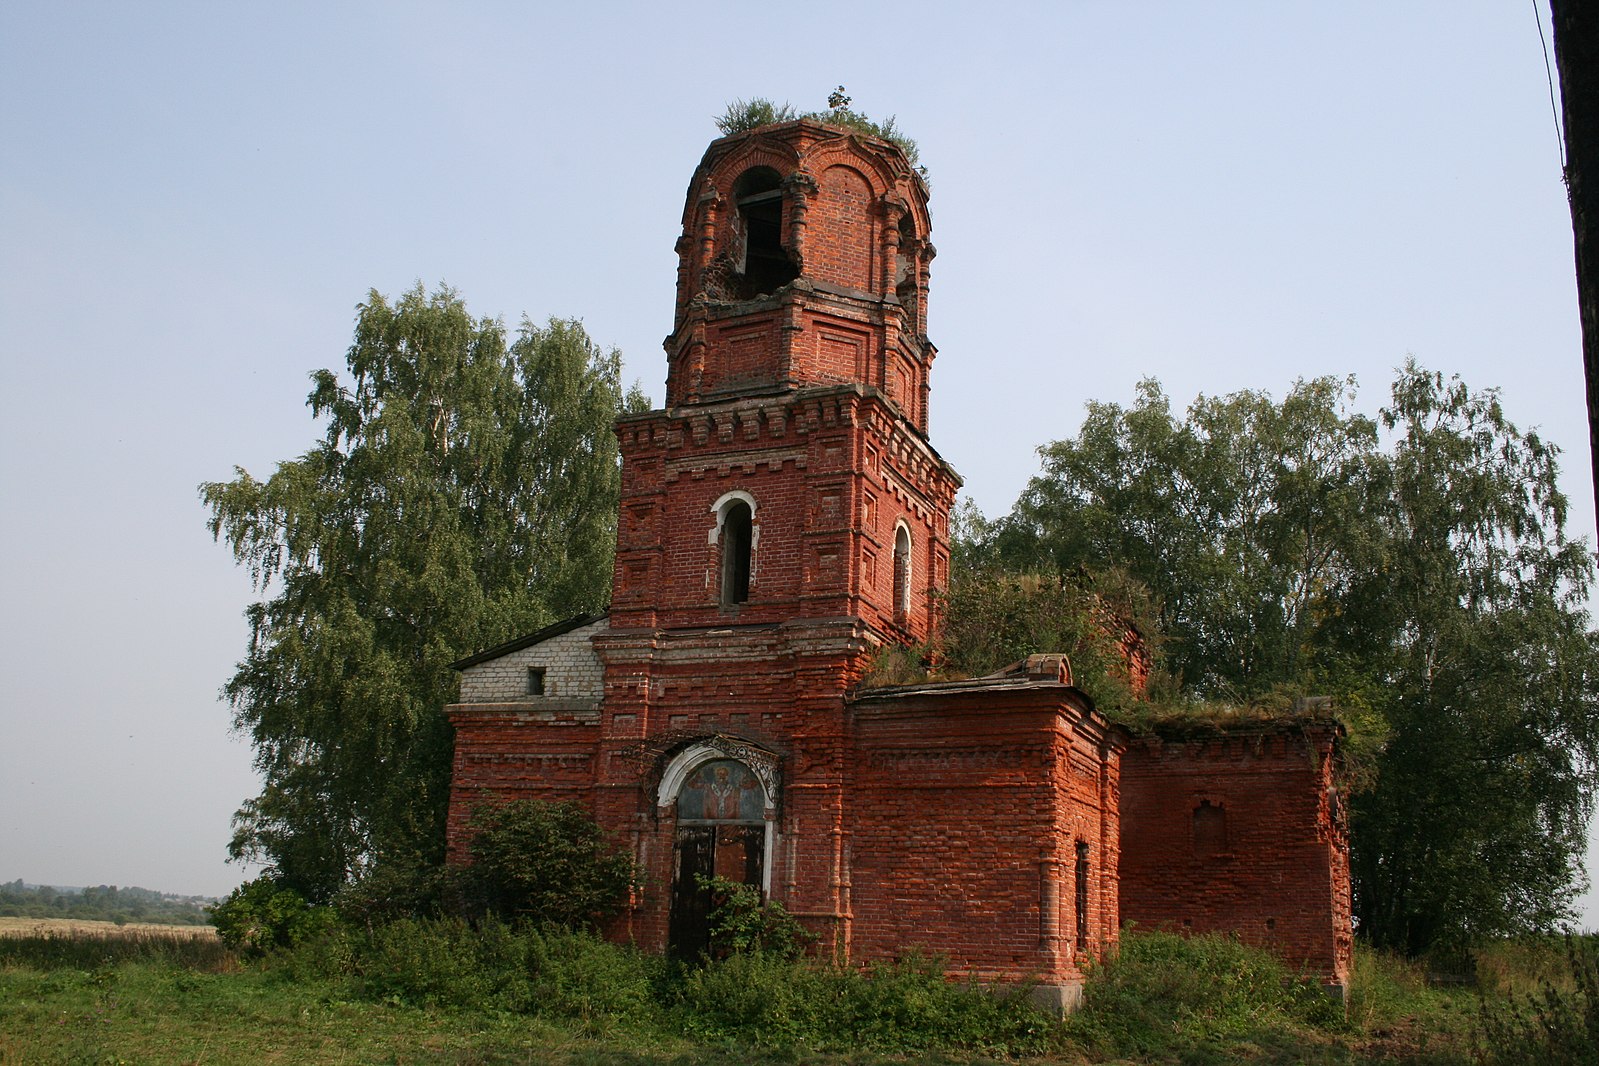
(1241, 832)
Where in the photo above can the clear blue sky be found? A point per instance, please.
(194, 197)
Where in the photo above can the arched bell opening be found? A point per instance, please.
(760, 262)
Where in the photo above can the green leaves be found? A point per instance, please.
(464, 491)
(1428, 584)
(548, 863)
(1244, 519)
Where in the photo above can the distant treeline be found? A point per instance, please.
(103, 903)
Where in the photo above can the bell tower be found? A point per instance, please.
(789, 475)
(781, 519)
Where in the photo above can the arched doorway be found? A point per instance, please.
(724, 818)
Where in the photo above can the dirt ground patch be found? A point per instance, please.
(72, 926)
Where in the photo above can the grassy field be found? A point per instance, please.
(138, 996)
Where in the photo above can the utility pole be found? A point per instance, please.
(1576, 33)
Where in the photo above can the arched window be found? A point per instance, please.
(760, 257)
(902, 573)
(734, 535)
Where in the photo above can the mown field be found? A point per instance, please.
(438, 993)
(10, 926)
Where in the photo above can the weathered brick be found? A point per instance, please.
(1001, 822)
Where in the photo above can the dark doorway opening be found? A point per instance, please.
(721, 832)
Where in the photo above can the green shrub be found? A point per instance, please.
(391, 891)
(545, 862)
(744, 115)
(914, 1007)
(261, 916)
(742, 923)
(579, 976)
(520, 969)
(771, 1002)
(444, 962)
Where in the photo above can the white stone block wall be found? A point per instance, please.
(571, 671)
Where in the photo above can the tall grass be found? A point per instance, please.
(519, 969)
(493, 992)
(1557, 1024)
(83, 950)
(1164, 995)
(906, 1006)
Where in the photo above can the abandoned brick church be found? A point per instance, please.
(782, 518)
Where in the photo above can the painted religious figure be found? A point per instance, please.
(723, 791)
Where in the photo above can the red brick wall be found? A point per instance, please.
(1273, 868)
(779, 688)
(842, 244)
(832, 474)
(509, 751)
(965, 809)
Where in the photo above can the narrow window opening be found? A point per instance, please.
(902, 575)
(905, 271)
(535, 681)
(1081, 877)
(737, 529)
(1210, 829)
(763, 262)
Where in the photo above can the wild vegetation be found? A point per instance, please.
(442, 991)
(1412, 566)
(744, 115)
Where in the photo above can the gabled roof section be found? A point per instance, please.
(576, 622)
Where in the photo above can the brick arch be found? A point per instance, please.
(848, 151)
(717, 541)
(761, 152)
(681, 763)
(844, 251)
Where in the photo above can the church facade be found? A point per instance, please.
(782, 518)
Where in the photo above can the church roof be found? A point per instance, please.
(575, 622)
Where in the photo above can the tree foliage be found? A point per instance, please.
(993, 618)
(464, 491)
(546, 862)
(1426, 582)
(262, 915)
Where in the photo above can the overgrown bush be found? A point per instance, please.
(742, 923)
(444, 962)
(262, 915)
(544, 862)
(492, 965)
(391, 891)
(744, 115)
(771, 1002)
